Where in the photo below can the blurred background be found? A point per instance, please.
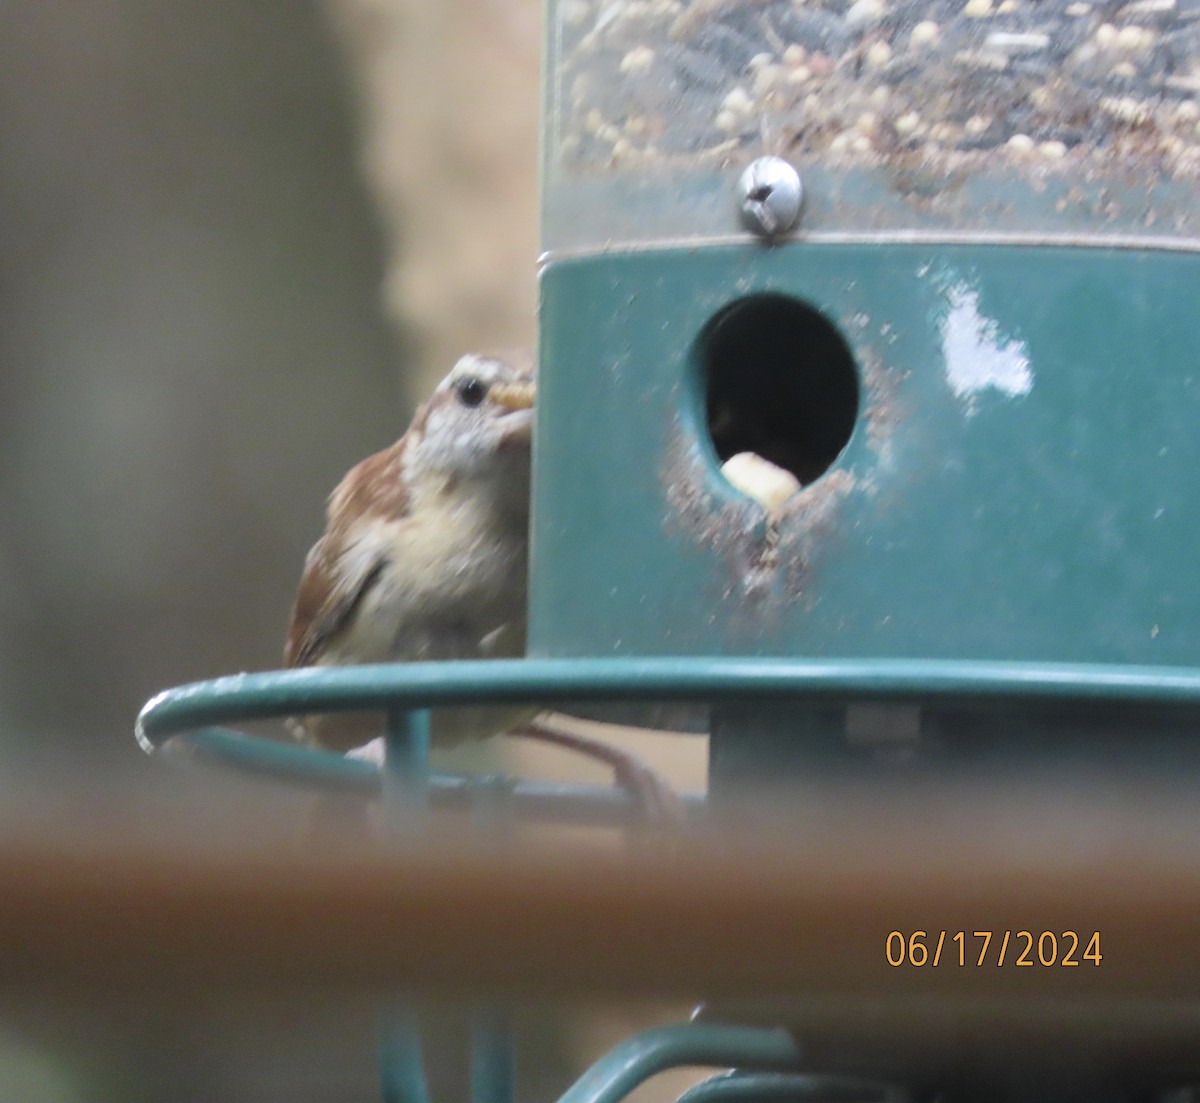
(238, 243)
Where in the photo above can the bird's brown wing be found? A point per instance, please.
(333, 584)
(327, 601)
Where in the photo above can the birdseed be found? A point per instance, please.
(931, 92)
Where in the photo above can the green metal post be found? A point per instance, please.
(492, 1066)
(406, 771)
(493, 1072)
(402, 1071)
(406, 801)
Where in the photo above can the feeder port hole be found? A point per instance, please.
(779, 381)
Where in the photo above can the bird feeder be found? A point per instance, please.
(867, 420)
(937, 261)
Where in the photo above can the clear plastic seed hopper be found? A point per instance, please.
(991, 119)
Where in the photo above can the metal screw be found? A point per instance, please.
(770, 193)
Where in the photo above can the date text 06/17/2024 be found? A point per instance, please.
(981, 949)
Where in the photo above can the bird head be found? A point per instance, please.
(478, 424)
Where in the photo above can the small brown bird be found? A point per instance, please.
(425, 556)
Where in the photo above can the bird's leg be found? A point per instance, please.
(659, 803)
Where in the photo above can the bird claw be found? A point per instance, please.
(660, 806)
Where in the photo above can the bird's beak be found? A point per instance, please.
(517, 423)
(514, 396)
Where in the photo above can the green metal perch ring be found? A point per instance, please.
(189, 717)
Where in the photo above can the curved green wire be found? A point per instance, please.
(719, 680)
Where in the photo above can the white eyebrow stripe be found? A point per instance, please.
(474, 361)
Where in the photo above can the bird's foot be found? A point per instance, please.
(660, 806)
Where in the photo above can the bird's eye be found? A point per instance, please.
(471, 391)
